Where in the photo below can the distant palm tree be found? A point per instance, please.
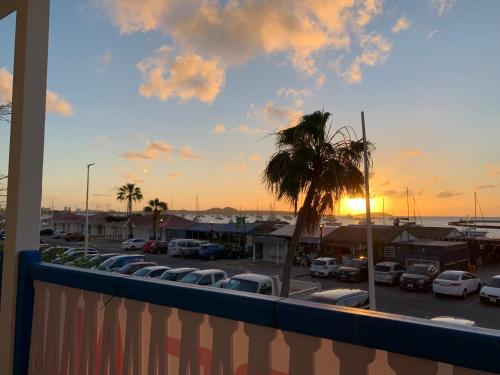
(317, 163)
(5, 111)
(156, 207)
(130, 193)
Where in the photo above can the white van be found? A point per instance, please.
(185, 247)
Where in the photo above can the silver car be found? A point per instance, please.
(388, 272)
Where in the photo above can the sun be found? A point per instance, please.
(356, 205)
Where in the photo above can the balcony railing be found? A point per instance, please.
(75, 321)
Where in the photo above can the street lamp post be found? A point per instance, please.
(87, 210)
(321, 239)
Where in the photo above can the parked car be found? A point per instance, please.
(388, 272)
(325, 267)
(191, 248)
(455, 321)
(204, 277)
(490, 292)
(71, 256)
(211, 251)
(176, 274)
(174, 247)
(418, 276)
(95, 260)
(59, 234)
(130, 268)
(133, 244)
(54, 252)
(354, 270)
(116, 262)
(74, 237)
(146, 248)
(456, 283)
(46, 232)
(151, 271)
(159, 247)
(343, 297)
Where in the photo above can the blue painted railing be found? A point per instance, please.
(465, 347)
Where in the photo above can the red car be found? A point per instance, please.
(74, 236)
(159, 247)
(147, 246)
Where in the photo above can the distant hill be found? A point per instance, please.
(221, 211)
(375, 215)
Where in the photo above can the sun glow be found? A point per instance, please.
(358, 205)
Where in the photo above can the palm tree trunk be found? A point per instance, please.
(130, 231)
(300, 226)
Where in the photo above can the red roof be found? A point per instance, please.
(68, 218)
(175, 222)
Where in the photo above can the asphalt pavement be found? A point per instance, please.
(388, 299)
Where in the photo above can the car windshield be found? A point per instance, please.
(107, 262)
(417, 270)
(356, 263)
(142, 272)
(319, 263)
(494, 283)
(380, 268)
(449, 276)
(191, 278)
(169, 276)
(242, 285)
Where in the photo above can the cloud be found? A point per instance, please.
(401, 24)
(152, 151)
(54, 104)
(104, 61)
(235, 32)
(384, 183)
(375, 51)
(219, 129)
(431, 34)
(255, 157)
(99, 140)
(492, 170)
(172, 176)
(415, 153)
(186, 76)
(100, 195)
(442, 6)
(245, 129)
(394, 194)
(133, 178)
(188, 153)
(490, 186)
(278, 116)
(448, 194)
(293, 92)
(235, 168)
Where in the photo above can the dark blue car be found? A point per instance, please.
(212, 251)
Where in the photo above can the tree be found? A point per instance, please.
(130, 193)
(315, 163)
(156, 207)
(5, 111)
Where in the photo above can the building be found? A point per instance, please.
(434, 233)
(350, 240)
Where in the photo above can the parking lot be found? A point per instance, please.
(389, 299)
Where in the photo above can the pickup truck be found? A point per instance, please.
(268, 285)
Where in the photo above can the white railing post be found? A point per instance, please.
(25, 157)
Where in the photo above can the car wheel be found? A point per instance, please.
(478, 289)
(330, 275)
(312, 274)
(131, 248)
(212, 257)
(464, 294)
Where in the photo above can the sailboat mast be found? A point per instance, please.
(383, 210)
(475, 211)
(407, 204)
(414, 208)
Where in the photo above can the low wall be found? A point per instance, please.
(87, 322)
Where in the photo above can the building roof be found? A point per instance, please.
(287, 231)
(229, 228)
(433, 233)
(357, 233)
(175, 222)
(67, 218)
(433, 243)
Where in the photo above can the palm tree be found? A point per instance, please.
(316, 163)
(130, 193)
(156, 207)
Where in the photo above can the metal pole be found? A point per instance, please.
(87, 210)
(369, 241)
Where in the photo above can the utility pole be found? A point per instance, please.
(369, 241)
(87, 210)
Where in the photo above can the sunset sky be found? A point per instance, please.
(180, 96)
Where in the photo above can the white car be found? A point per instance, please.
(204, 277)
(59, 234)
(455, 321)
(388, 272)
(133, 244)
(456, 283)
(325, 267)
(490, 292)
